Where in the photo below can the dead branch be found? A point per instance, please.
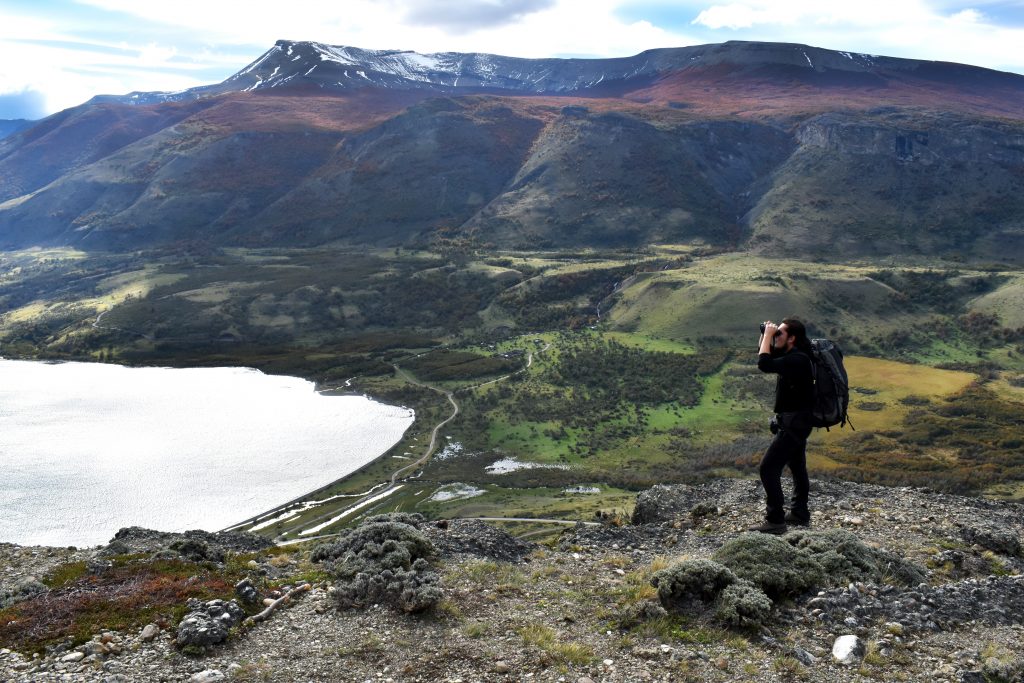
(265, 614)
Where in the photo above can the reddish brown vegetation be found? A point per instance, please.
(720, 91)
(129, 596)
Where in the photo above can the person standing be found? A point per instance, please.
(785, 350)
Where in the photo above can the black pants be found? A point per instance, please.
(789, 447)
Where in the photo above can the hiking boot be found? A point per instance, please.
(798, 520)
(775, 528)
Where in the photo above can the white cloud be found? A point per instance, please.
(548, 28)
(807, 14)
(909, 28)
(733, 16)
(970, 16)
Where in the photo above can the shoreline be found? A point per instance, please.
(92, 534)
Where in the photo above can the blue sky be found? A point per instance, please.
(58, 53)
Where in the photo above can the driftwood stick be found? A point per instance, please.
(265, 614)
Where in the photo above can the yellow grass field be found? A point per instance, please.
(893, 381)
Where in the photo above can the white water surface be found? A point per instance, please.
(88, 448)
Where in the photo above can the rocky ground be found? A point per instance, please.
(581, 608)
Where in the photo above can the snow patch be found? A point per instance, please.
(262, 59)
(452, 450)
(506, 465)
(452, 492)
(808, 60)
(582, 490)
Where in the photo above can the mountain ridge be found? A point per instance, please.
(775, 148)
(345, 67)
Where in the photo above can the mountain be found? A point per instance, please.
(777, 148)
(11, 126)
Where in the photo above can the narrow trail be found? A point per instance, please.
(96, 325)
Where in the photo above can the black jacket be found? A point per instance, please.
(794, 389)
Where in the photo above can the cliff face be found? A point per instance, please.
(890, 183)
(581, 607)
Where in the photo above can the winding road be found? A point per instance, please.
(394, 484)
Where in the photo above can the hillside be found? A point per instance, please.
(773, 148)
(929, 585)
(11, 126)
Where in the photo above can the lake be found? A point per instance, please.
(88, 448)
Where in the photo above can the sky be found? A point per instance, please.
(56, 54)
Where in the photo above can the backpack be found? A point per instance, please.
(831, 385)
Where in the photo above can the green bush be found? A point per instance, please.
(692, 580)
(771, 564)
(382, 561)
(22, 590)
(743, 604)
(845, 558)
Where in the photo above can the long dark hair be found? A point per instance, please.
(796, 329)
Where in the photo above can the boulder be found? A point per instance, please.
(665, 503)
(246, 592)
(1001, 541)
(476, 538)
(848, 650)
(208, 623)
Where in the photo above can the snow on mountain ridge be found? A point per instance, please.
(342, 67)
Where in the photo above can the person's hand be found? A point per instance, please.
(770, 329)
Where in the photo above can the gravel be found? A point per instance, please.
(515, 611)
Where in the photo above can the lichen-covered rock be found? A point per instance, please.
(196, 544)
(691, 580)
(664, 503)
(382, 561)
(476, 538)
(848, 650)
(197, 550)
(1002, 541)
(771, 564)
(743, 604)
(208, 623)
(247, 592)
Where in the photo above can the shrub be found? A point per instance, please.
(22, 590)
(743, 604)
(771, 564)
(691, 580)
(845, 558)
(382, 561)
